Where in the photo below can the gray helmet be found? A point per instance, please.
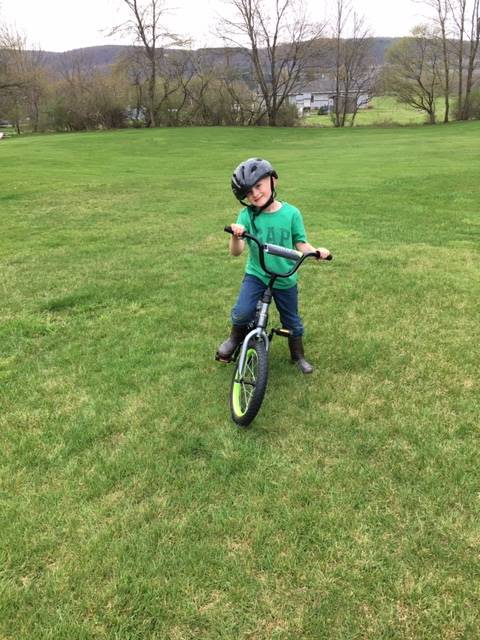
(248, 173)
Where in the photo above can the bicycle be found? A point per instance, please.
(249, 380)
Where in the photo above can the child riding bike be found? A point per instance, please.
(253, 184)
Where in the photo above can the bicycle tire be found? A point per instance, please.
(248, 386)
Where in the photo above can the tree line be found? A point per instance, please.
(439, 62)
(161, 81)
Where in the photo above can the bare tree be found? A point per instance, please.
(245, 107)
(86, 98)
(37, 81)
(412, 72)
(338, 33)
(217, 95)
(196, 90)
(11, 46)
(22, 78)
(354, 72)
(473, 34)
(442, 12)
(458, 8)
(178, 76)
(146, 24)
(466, 17)
(280, 42)
(131, 66)
(174, 75)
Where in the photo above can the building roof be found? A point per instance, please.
(321, 85)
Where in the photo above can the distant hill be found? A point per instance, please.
(96, 57)
(104, 56)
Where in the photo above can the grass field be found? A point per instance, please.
(131, 507)
(383, 111)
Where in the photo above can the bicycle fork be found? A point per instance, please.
(258, 331)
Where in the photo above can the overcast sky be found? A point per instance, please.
(60, 25)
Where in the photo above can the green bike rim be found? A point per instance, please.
(241, 393)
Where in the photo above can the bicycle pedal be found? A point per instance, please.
(224, 360)
(285, 333)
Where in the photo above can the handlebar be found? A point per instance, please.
(276, 250)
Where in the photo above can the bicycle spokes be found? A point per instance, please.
(246, 382)
(249, 383)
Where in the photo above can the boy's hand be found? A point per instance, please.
(324, 253)
(306, 247)
(238, 229)
(237, 243)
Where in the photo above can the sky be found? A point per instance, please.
(61, 25)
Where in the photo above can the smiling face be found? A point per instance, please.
(260, 193)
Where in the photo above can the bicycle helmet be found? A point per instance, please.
(247, 174)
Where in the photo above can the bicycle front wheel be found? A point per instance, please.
(249, 384)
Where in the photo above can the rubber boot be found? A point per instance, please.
(227, 348)
(298, 357)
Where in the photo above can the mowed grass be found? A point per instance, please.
(131, 506)
(382, 111)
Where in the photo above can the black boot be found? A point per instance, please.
(298, 356)
(227, 348)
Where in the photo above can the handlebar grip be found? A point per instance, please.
(329, 257)
(283, 252)
(230, 230)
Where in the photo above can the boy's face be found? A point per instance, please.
(260, 193)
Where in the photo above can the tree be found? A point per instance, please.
(280, 42)
(466, 17)
(146, 25)
(9, 84)
(22, 78)
(131, 66)
(245, 107)
(173, 72)
(412, 72)
(85, 98)
(442, 12)
(353, 70)
(36, 84)
(7, 78)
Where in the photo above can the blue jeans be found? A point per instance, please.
(286, 301)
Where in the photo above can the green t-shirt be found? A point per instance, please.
(283, 227)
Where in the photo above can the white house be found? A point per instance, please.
(320, 94)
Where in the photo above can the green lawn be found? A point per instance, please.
(131, 506)
(382, 111)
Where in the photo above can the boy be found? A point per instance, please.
(275, 222)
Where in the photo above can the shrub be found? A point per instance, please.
(287, 115)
